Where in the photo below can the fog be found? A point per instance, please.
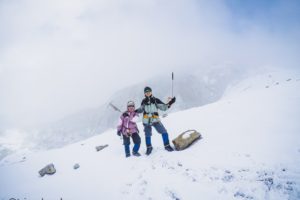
(58, 57)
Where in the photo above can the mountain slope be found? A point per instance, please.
(250, 150)
(192, 89)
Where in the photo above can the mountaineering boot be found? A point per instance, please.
(137, 154)
(168, 148)
(127, 155)
(149, 150)
(165, 138)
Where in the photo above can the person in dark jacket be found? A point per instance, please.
(149, 107)
(127, 127)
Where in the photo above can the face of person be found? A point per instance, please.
(148, 94)
(130, 108)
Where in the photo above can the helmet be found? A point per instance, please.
(147, 89)
(130, 103)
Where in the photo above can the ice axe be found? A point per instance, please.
(172, 83)
(169, 98)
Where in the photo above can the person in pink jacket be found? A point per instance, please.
(127, 127)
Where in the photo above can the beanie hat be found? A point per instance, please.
(147, 89)
(130, 103)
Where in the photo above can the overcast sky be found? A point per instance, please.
(59, 56)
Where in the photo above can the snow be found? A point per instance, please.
(204, 86)
(187, 134)
(250, 150)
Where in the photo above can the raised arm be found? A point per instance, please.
(164, 106)
(141, 108)
(161, 105)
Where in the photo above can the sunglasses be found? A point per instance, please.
(130, 106)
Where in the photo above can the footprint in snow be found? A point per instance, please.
(172, 194)
(244, 170)
(283, 169)
(228, 176)
(190, 174)
(143, 184)
(242, 195)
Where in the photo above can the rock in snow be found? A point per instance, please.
(76, 166)
(49, 169)
(185, 139)
(99, 148)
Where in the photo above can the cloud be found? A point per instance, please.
(57, 57)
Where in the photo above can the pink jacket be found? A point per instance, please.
(128, 123)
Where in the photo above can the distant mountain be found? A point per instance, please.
(191, 88)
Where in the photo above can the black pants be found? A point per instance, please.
(136, 140)
(135, 137)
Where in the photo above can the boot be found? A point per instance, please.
(127, 155)
(137, 154)
(168, 148)
(149, 150)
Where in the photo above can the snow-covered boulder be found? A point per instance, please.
(185, 139)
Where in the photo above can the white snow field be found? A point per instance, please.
(250, 150)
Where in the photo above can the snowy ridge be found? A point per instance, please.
(250, 150)
(192, 89)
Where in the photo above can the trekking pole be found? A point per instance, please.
(118, 110)
(115, 107)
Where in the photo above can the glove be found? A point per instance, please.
(125, 114)
(127, 133)
(171, 101)
(139, 110)
(119, 133)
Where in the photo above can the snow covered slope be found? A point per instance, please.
(192, 89)
(250, 150)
